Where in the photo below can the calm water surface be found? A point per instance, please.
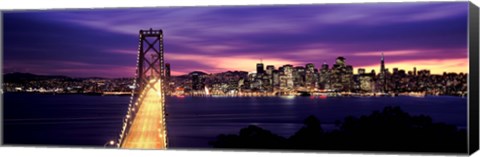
(81, 120)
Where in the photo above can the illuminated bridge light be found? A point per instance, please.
(145, 131)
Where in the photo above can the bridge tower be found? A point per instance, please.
(144, 125)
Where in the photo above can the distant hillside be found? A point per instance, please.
(18, 77)
(197, 72)
(21, 77)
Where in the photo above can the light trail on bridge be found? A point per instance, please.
(147, 130)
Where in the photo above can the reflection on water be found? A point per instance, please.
(193, 121)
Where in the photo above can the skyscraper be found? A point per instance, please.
(361, 71)
(197, 80)
(341, 75)
(310, 79)
(382, 81)
(414, 71)
(298, 76)
(167, 71)
(341, 61)
(382, 65)
(286, 79)
(270, 69)
(324, 79)
(324, 66)
(395, 71)
(310, 67)
(260, 69)
(275, 78)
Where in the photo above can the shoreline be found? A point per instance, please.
(323, 95)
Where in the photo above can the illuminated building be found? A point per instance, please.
(382, 76)
(169, 86)
(395, 71)
(299, 76)
(423, 73)
(197, 80)
(268, 78)
(167, 71)
(348, 78)
(366, 82)
(310, 76)
(270, 69)
(341, 76)
(324, 77)
(260, 69)
(286, 79)
(382, 64)
(361, 71)
(276, 78)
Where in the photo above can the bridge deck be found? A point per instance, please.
(147, 131)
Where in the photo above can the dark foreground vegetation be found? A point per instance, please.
(389, 130)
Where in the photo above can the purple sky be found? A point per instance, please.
(103, 42)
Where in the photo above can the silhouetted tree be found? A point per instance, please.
(389, 130)
(251, 137)
(395, 130)
(309, 136)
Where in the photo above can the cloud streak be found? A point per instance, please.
(237, 37)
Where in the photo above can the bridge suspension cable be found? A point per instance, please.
(144, 125)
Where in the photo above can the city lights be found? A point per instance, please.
(284, 80)
(338, 80)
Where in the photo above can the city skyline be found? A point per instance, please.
(376, 68)
(318, 67)
(87, 43)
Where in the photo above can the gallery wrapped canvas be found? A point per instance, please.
(376, 77)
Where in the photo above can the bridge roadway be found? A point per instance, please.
(147, 130)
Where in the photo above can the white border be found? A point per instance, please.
(7, 5)
(77, 152)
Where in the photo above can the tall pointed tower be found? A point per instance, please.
(383, 75)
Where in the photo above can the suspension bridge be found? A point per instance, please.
(144, 124)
